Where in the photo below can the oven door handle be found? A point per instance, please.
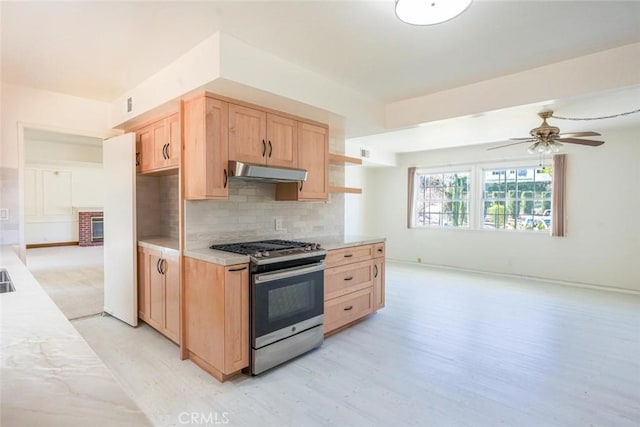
(289, 272)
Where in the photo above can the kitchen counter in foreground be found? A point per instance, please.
(49, 374)
(331, 243)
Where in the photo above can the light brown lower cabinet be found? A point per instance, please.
(159, 290)
(217, 316)
(353, 285)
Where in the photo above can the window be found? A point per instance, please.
(441, 199)
(514, 196)
(517, 199)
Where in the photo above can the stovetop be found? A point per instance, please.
(266, 250)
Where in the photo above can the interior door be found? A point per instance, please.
(120, 289)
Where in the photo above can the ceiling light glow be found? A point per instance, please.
(429, 12)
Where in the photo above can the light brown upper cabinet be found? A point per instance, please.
(158, 145)
(206, 148)
(313, 142)
(263, 138)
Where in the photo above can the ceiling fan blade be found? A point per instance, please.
(589, 142)
(523, 139)
(507, 145)
(578, 134)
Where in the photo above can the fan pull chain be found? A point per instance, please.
(596, 118)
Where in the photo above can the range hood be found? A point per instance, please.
(263, 173)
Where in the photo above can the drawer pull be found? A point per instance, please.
(348, 308)
(348, 255)
(348, 278)
(238, 269)
(375, 268)
(380, 250)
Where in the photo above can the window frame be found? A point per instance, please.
(476, 195)
(443, 170)
(505, 165)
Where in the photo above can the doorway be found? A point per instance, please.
(63, 177)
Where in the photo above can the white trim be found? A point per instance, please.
(476, 205)
(445, 170)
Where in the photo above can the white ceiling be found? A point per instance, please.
(100, 50)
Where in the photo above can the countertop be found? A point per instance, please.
(330, 243)
(217, 257)
(50, 375)
(159, 243)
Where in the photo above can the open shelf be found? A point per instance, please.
(350, 190)
(339, 159)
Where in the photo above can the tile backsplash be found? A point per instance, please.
(157, 202)
(251, 213)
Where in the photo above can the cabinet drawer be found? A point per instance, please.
(344, 256)
(345, 309)
(348, 278)
(378, 250)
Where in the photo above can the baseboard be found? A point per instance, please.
(517, 276)
(51, 245)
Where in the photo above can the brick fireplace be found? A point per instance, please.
(90, 228)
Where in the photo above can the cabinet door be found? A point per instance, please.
(282, 141)
(138, 154)
(155, 316)
(313, 154)
(204, 297)
(143, 285)
(159, 145)
(247, 134)
(236, 322)
(145, 136)
(171, 272)
(173, 140)
(206, 149)
(378, 283)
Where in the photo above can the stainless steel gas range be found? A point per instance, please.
(286, 299)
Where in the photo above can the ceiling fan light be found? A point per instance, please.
(429, 12)
(554, 147)
(542, 148)
(532, 148)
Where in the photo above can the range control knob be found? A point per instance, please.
(258, 254)
(265, 253)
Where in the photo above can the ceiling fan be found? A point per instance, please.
(547, 139)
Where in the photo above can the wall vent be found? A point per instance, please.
(364, 153)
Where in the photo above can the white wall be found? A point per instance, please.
(35, 151)
(27, 107)
(51, 194)
(355, 212)
(603, 204)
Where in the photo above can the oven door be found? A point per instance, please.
(286, 302)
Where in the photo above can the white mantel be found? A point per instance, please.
(77, 209)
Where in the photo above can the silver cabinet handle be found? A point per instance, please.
(289, 272)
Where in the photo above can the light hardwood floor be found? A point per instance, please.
(73, 276)
(449, 349)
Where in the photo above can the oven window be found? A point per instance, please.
(290, 300)
(281, 303)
